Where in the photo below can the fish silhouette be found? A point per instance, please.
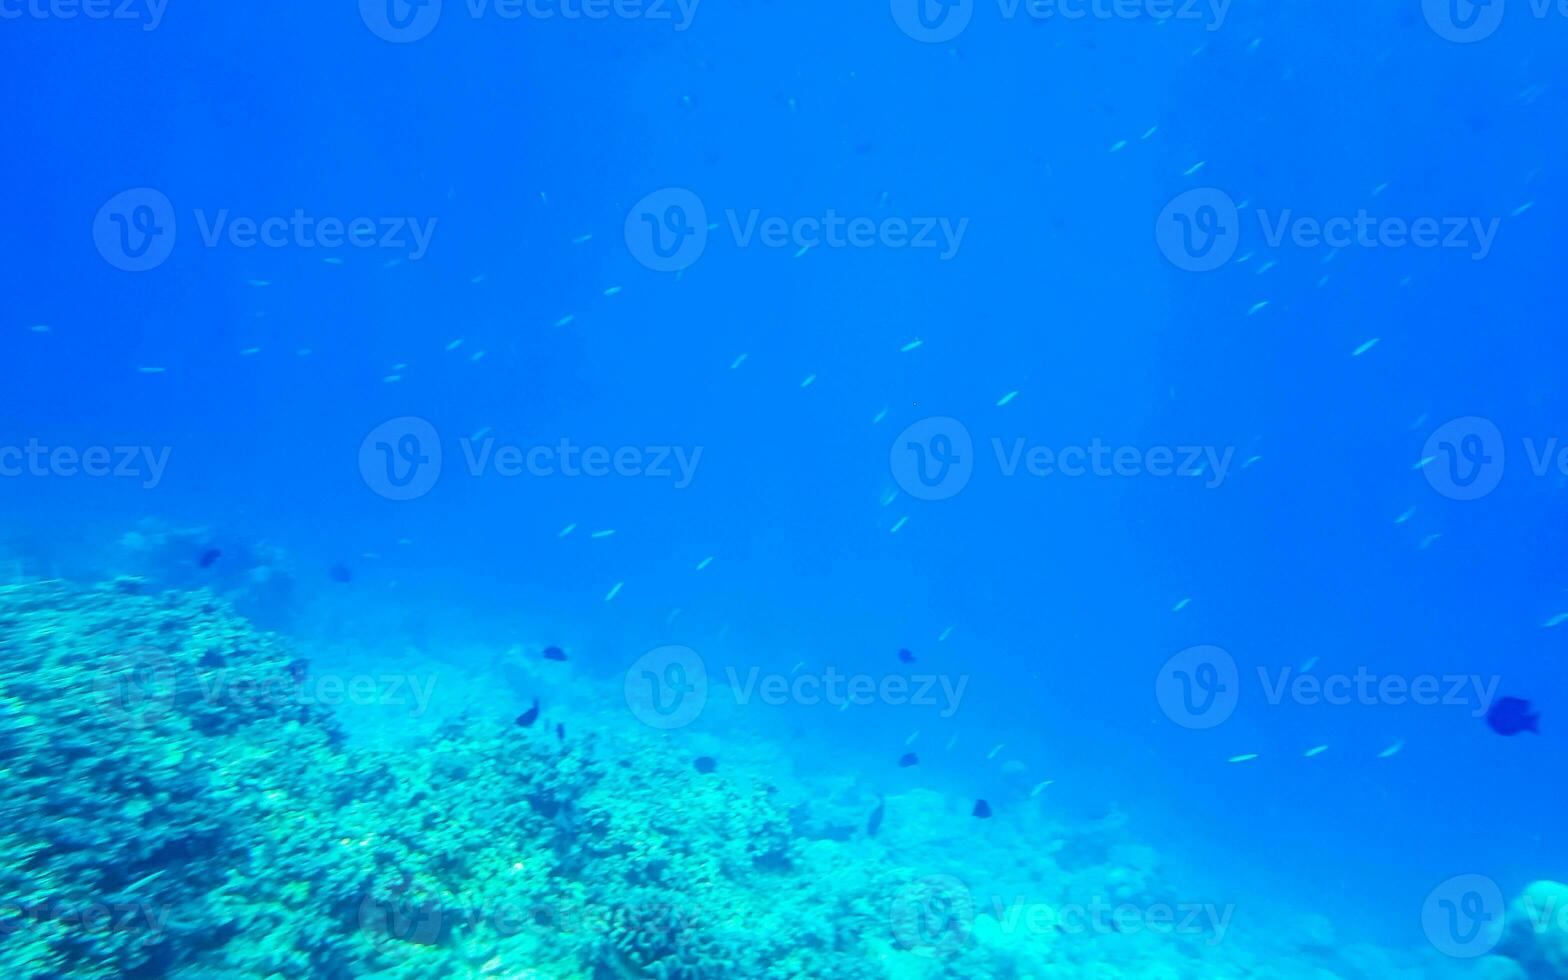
(527, 718)
(1510, 716)
(875, 823)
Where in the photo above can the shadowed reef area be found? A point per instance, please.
(171, 806)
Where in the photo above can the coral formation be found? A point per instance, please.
(1535, 934)
(178, 800)
(655, 938)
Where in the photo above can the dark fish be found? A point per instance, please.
(905, 657)
(982, 810)
(208, 557)
(527, 718)
(706, 764)
(875, 823)
(560, 731)
(297, 669)
(554, 653)
(341, 573)
(908, 759)
(1510, 716)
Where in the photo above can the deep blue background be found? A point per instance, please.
(519, 137)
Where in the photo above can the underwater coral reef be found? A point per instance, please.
(178, 801)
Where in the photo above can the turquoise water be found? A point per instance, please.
(1176, 385)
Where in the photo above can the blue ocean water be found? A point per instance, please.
(1179, 388)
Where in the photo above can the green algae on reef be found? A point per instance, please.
(170, 806)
